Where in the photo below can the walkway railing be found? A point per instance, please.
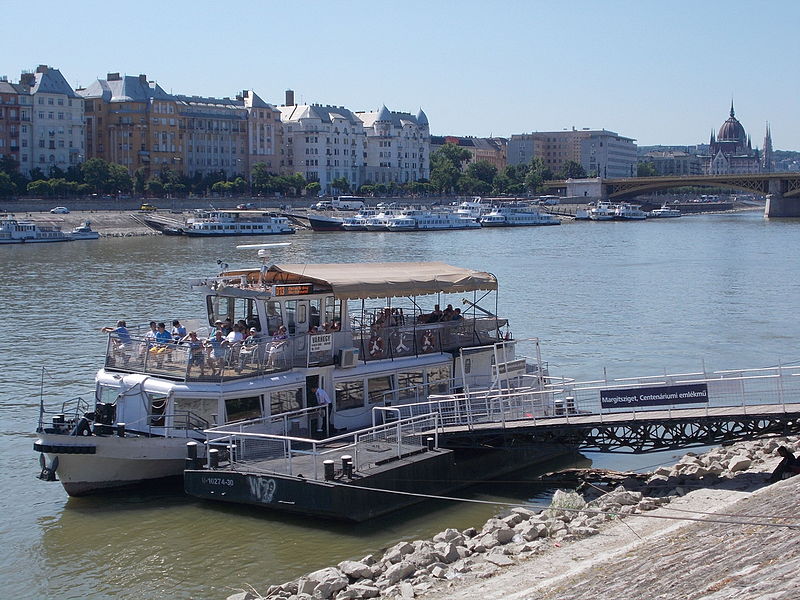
(296, 456)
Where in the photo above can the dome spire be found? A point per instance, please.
(732, 113)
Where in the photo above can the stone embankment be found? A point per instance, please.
(707, 527)
(108, 223)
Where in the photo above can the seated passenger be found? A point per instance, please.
(249, 349)
(447, 314)
(457, 316)
(162, 347)
(277, 347)
(436, 315)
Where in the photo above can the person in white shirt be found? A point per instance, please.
(323, 399)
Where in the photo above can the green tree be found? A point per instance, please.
(7, 185)
(139, 180)
(260, 178)
(482, 170)
(473, 186)
(118, 179)
(95, 173)
(40, 188)
(446, 165)
(646, 169)
(341, 185)
(571, 170)
(154, 187)
(313, 188)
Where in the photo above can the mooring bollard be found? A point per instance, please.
(121, 429)
(329, 466)
(347, 466)
(429, 443)
(191, 456)
(213, 458)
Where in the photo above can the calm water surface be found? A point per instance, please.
(715, 291)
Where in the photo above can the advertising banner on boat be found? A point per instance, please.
(696, 393)
(321, 342)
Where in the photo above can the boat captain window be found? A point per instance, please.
(349, 394)
(274, 318)
(285, 401)
(240, 409)
(221, 308)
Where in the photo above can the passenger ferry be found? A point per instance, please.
(425, 220)
(664, 212)
(517, 215)
(602, 211)
(18, 231)
(357, 331)
(84, 231)
(358, 222)
(629, 212)
(210, 223)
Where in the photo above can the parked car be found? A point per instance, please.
(148, 206)
(59, 210)
(246, 206)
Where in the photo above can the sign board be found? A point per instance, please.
(320, 342)
(295, 289)
(696, 393)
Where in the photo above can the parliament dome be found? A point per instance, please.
(732, 130)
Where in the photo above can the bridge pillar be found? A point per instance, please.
(777, 206)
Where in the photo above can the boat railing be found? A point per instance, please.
(415, 339)
(290, 423)
(478, 406)
(264, 356)
(64, 417)
(306, 457)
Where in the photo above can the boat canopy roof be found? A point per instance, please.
(353, 281)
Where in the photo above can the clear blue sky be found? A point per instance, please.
(663, 73)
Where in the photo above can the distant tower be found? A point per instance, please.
(766, 156)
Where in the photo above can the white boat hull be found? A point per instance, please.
(115, 462)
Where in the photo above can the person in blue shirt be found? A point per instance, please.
(178, 331)
(216, 352)
(121, 340)
(162, 346)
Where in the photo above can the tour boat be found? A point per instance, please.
(356, 331)
(18, 231)
(629, 212)
(358, 222)
(214, 223)
(664, 212)
(602, 211)
(320, 222)
(84, 231)
(517, 215)
(425, 220)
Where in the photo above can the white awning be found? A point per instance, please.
(386, 280)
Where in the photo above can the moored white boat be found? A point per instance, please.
(215, 223)
(314, 326)
(517, 215)
(18, 231)
(629, 212)
(84, 231)
(664, 212)
(602, 211)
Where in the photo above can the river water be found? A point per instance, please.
(707, 291)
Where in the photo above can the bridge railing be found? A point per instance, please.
(745, 389)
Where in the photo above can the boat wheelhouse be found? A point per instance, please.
(84, 231)
(629, 212)
(665, 212)
(602, 211)
(213, 223)
(367, 334)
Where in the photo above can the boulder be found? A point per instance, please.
(448, 535)
(365, 591)
(306, 586)
(739, 463)
(355, 570)
(501, 560)
(406, 590)
(395, 573)
(396, 553)
(449, 553)
(327, 582)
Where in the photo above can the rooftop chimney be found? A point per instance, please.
(28, 79)
(112, 77)
(289, 97)
(143, 79)
(42, 69)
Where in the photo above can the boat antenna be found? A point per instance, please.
(264, 253)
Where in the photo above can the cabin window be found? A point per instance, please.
(158, 405)
(240, 409)
(333, 310)
(285, 401)
(107, 394)
(439, 379)
(197, 408)
(377, 388)
(409, 385)
(295, 313)
(349, 394)
(274, 318)
(220, 307)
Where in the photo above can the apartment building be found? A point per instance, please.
(134, 122)
(601, 152)
(11, 121)
(397, 146)
(492, 150)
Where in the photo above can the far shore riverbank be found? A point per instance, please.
(123, 223)
(709, 527)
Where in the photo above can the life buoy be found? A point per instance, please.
(427, 341)
(376, 346)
